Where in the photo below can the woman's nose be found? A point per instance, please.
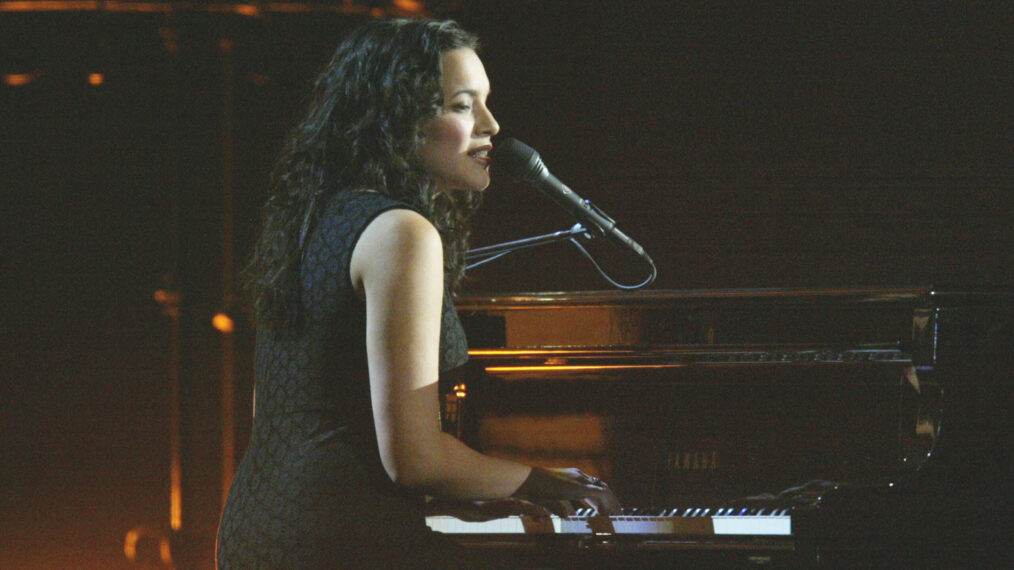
(487, 124)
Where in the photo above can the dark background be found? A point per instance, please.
(745, 147)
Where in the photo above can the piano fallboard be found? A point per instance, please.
(710, 426)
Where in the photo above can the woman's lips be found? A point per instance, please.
(481, 155)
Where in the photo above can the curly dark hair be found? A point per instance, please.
(361, 133)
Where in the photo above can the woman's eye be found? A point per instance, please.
(460, 107)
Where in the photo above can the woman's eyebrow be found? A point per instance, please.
(471, 92)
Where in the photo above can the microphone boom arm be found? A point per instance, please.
(480, 255)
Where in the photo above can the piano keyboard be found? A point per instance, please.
(689, 522)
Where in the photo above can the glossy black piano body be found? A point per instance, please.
(868, 412)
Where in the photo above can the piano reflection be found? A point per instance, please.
(805, 427)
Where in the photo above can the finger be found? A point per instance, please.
(572, 506)
(605, 503)
(533, 510)
(526, 509)
(554, 508)
(564, 508)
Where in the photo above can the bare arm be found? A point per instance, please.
(397, 266)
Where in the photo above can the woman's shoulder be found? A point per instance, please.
(398, 246)
(402, 229)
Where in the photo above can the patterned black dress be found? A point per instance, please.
(311, 491)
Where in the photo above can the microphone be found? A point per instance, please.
(522, 163)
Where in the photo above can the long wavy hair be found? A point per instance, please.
(361, 132)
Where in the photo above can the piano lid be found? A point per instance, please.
(667, 318)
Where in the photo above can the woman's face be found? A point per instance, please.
(456, 143)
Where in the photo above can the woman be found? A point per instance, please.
(364, 234)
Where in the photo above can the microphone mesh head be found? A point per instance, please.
(517, 159)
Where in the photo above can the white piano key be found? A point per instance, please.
(451, 525)
(762, 525)
(508, 525)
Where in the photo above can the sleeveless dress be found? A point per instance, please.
(311, 491)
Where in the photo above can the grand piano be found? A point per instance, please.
(866, 426)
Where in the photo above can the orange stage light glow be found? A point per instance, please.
(411, 6)
(175, 494)
(248, 9)
(140, 533)
(96, 79)
(19, 79)
(580, 368)
(223, 323)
